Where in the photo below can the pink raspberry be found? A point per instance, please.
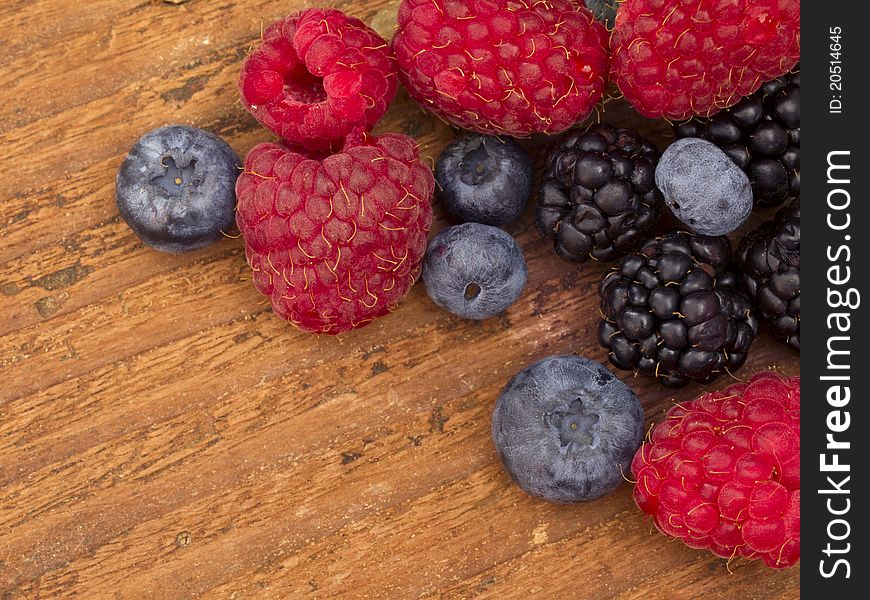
(511, 67)
(318, 75)
(722, 472)
(680, 58)
(335, 242)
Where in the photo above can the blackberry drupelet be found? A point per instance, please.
(769, 262)
(672, 310)
(762, 134)
(598, 197)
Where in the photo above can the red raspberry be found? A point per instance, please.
(680, 58)
(338, 241)
(511, 67)
(318, 75)
(723, 471)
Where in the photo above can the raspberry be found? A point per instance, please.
(722, 472)
(680, 58)
(338, 241)
(318, 75)
(502, 67)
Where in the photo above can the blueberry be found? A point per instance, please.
(176, 188)
(474, 270)
(566, 429)
(485, 179)
(704, 188)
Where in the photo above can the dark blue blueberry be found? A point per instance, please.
(484, 179)
(566, 429)
(703, 187)
(176, 188)
(474, 271)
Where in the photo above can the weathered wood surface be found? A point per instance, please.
(163, 435)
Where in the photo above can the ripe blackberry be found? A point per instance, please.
(598, 197)
(769, 261)
(672, 310)
(762, 134)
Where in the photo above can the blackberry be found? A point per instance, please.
(762, 134)
(598, 196)
(672, 310)
(769, 261)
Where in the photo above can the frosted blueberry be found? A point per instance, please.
(566, 429)
(176, 188)
(703, 187)
(474, 270)
(485, 179)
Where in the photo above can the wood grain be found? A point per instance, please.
(164, 435)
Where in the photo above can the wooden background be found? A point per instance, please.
(164, 435)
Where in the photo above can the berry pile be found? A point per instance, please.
(762, 134)
(672, 311)
(336, 223)
(598, 198)
(723, 471)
